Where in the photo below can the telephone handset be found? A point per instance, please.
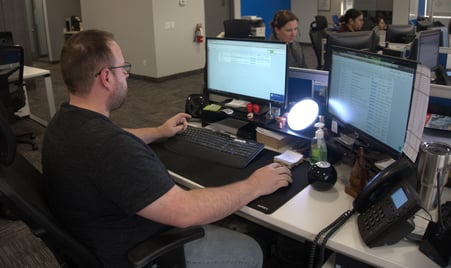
(385, 204)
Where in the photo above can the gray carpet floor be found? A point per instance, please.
(147, 104)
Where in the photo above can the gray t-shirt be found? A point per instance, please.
(97, 177)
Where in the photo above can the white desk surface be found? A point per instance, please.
(310, 211)
(33, 72)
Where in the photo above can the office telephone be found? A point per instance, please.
(386, 203)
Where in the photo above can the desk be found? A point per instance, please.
(31, 73)
(310, 211)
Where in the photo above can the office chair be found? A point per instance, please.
(22, 191)
(237, 28)
(12, 94)
(317, 33)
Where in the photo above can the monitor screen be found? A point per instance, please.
(367, 40)
(252, 70)
(400, 33)
(370, 94)
(307, 83)
(425, 48)
(444, 37)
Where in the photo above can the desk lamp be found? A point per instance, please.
(303, 114)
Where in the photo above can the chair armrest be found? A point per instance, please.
(165, 242)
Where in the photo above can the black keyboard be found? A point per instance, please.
(214, 146)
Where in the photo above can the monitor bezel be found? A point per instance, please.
(208, 90)
(366, 138)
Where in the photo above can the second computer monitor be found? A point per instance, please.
(366, 40)
(252, 70)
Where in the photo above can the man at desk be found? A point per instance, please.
(108, 187)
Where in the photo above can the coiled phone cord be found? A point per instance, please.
(325, 234)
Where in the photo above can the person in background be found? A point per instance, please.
(111, 191)
(285, 28)
(351, 21)
(379, 24)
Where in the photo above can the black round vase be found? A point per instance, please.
(322, 176)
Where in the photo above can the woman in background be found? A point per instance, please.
(351, 21)
(285, 28)
(379, 24)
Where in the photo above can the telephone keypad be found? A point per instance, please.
(377, 217)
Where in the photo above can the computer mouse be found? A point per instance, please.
(227, 111)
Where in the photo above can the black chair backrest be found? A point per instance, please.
(6, 39)
(22, 192)
(11, 79)
(237, 28)
(320, 23)
(317, 33)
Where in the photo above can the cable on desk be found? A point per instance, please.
(325, 234)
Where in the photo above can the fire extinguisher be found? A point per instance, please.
(198, 35)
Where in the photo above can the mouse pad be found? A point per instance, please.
(210, 174)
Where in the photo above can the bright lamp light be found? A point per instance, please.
(303, 114)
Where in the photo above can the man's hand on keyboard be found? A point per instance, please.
(270, 178)
(176, 124)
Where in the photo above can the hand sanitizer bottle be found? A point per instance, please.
(318, 148)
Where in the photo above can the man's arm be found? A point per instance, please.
(182, 208)
(171, 127)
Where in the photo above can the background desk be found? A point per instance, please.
(310, 211)
(31, 73)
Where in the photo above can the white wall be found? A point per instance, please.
(155, 36)
(401, 9)
(55, 13)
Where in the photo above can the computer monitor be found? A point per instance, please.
(424, 25)
(371, 94)
(251, 70)
(444, 38)
(425, 48)
(367, 40)
(400, 33)
(307, 83)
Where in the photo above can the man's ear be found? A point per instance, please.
(104, 77)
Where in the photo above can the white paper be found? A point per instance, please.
(418, 110)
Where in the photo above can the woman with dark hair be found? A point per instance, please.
(351, 21)
(285, 28)
(379, 24)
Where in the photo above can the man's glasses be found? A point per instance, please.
(126, 68)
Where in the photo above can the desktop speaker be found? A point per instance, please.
(194, 105)
(322, 176)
